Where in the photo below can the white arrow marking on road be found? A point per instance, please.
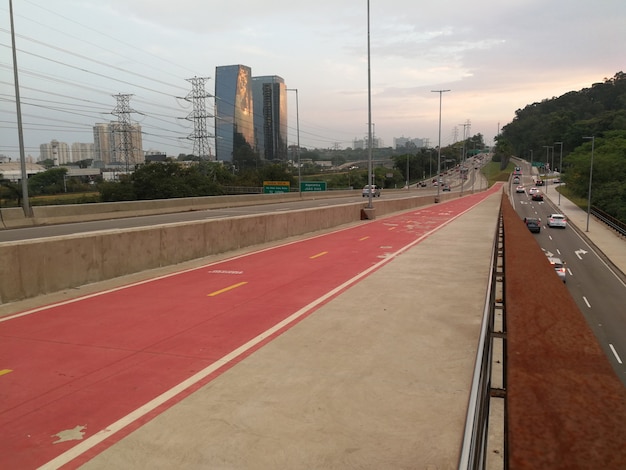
(580, 252)
(549, 254)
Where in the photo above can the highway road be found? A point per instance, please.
(597, 289)
(191, 216)
(29, 233)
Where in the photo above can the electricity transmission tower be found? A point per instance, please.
(124, 145)
(198, 116)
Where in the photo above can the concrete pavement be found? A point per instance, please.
(378, 377)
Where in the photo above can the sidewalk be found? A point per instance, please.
(378, 377)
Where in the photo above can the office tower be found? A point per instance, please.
(270, 117)
(234, 126)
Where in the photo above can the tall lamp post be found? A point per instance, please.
(560, 166)
(593, 141)
(369, 113)
(441, 92)
(298, 133)
(547, 147)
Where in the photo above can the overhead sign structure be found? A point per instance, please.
(270, 187)
(313, 186)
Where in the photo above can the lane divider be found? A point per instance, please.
(318, 255)
(226, 289)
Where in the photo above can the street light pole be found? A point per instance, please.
(369, 113)
(28, 212)
(298, 133)
(560, 167)
(441, 92)
(593, 141)
(547, 147)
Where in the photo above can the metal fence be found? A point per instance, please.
(608, 219)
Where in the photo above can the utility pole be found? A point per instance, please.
(198, 116)
(122, 111)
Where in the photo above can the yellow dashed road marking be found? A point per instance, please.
(364, 238)
(226, 289)
(318, 255)
(5, 371)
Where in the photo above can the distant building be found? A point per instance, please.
(270, 117)
(82, 151)
(234, 110)
(58, 152)
(363, 143)
(113, 144)
(402, 142)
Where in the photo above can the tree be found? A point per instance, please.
(47, 182)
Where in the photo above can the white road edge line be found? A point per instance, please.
(586, 301)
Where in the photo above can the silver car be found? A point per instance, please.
(557, 220)
(375, 191)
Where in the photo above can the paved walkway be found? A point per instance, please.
(378, 377)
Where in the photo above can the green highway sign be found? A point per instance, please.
(270, 187)
(539, 164)
(312, 186)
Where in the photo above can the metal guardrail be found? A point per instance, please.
(609, 220)
(474, 448)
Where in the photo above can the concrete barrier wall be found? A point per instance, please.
(43, 215)
(34, 267)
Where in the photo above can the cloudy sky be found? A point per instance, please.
(494, 56)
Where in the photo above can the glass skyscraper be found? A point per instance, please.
(234, 110)
(270, 117)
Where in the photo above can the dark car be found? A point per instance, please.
(539, 183)
(533, 224)
(537, 197)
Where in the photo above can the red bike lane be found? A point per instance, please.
(82, 374)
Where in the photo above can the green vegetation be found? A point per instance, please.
(600, 112)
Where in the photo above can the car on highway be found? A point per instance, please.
(446, 187)
(533, 190)
(533, 224)
(557, 220)
(375, 190)
(519, 189)
(539, 183)
(537, 196)
(559, 267)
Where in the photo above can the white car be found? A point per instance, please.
(519, 189)
(559, 268)
(533, 190)
(375, 191)
(557, 220)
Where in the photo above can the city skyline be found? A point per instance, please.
(73, 58)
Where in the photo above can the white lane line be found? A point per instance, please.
(558, 251)
(619, 359)
(586, 301)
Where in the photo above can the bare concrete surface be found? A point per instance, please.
(377, 378)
